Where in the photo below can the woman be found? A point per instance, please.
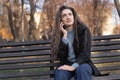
(71, 45)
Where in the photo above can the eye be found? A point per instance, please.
(63, 15)
(70, 13)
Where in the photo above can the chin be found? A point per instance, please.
(69, 24)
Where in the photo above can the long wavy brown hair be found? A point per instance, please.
(57, 34)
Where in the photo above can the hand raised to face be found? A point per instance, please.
(62, 28)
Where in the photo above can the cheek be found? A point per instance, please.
(72, 20)
(64, 19)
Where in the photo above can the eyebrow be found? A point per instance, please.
(68, 13)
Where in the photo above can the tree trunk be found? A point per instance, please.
(14, 18)
(10, 18)
(117, 4)
(31, 22)
(17, 21)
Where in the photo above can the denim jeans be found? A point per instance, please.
(83, 72)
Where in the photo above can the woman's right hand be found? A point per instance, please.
(64, 31)
(66, 67)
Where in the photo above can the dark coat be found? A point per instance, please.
(82, 49)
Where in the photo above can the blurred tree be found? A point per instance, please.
(117, 4)
(32, 20)
(7, 4)
(48, 16)
(117, 11)
(95, 13)
(16, 9)
(116, 29)
(21, 17)
(14, 18)
(92, 12)
(5, 33)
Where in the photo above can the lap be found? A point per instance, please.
(63, 75)
(84, 68)
(63, 72)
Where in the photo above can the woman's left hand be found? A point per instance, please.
(67, 67)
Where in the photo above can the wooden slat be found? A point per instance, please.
(106, 48)
(24, 66)
(105, 43)
(109, 68)
(106, 60)
(25, 43)
(22, 49)
(110, 77)
(25, 60)
(24, 74)
(106, 37)
(24, 54)
(105, 54)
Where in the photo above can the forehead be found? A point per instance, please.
(66, 11)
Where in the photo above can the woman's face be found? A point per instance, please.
(67, 17)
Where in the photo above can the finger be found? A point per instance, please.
(61, 25)
(60, 67)
(63, 67)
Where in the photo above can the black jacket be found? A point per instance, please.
(82, 49)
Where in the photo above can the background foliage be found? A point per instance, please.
(29, 20)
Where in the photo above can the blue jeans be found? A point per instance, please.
(83, 72)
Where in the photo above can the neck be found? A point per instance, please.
(69, 28)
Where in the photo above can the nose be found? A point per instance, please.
(68, 16)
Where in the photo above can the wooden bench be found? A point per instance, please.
(33, 60)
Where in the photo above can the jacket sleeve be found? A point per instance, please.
(84, 56)
(63, 51)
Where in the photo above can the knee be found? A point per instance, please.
(84, 68)
(60, 73)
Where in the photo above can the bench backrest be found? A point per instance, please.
(106, 53)
(33, 60)
(25, 59)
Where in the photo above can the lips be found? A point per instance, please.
(68, 21)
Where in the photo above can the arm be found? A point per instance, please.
(62, 52)
(63, 46)
(85, 54)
